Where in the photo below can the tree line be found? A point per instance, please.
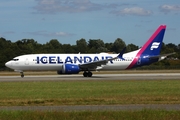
(9, 50)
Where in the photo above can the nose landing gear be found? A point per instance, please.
(22, 74)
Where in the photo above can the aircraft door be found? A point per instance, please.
(26, 61)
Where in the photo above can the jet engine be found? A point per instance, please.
(69, 69)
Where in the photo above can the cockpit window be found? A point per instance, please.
(15, 59)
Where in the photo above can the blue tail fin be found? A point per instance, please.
(151, 48)
(153, 45)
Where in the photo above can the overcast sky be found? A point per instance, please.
(69, 20)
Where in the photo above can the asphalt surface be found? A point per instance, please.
(94, 107)
(158, 76)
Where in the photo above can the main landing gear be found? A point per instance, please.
(87, 74)
(22, 74)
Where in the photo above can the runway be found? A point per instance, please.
(168, 107)
(154, 76)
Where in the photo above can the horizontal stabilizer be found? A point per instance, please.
(161, 56)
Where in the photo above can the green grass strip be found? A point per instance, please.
(90, 92)
(145, 114)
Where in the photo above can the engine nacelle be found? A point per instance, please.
(69, 69)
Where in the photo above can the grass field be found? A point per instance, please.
(88, 115)
(90, 92)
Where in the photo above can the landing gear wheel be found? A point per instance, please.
(22, 74)
(89, 74)
(85, 74)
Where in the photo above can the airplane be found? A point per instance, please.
(74, 63)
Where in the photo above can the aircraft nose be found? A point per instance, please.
(8, 64)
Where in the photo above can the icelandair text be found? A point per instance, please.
(69, 60)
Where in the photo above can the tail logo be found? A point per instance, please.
(155, 45)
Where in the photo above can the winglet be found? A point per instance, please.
(121, 54)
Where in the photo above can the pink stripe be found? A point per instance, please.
(146, 45)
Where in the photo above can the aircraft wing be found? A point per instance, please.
(161, 57)
(95, 64)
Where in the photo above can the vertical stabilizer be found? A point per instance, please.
(153, 45)
(151, 48)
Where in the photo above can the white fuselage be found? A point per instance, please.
(56, 61)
